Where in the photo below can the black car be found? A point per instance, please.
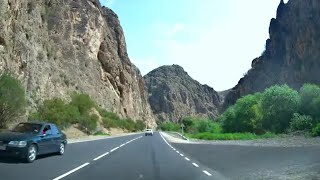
(27, 140)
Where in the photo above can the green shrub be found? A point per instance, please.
(58, 112)
(316, 130)
(12, 99)
(100, 133)
(88, 122)
(310, 100)
(83, 102)
(112, 120)
(278, 104)
(188, 123)
(300, 122)
(106, 114)
(169, 126)
(139, 125)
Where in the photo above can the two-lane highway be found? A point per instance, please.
(128, 157)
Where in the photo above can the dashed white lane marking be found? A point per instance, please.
(207, 173)
(196, 165)
(72, 171)
(101, 156)
(97, 158)
(114, 149)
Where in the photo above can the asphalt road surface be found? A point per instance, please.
(132, 157)
(136, 157)
(254, 162)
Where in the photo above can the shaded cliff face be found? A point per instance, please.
(57, 47)
(173, 95)
(292, 54)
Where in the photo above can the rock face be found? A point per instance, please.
(57, 47)
(292, 54)
(173, 95)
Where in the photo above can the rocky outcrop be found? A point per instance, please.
(292, 54)
(173, 95)
(57, 47)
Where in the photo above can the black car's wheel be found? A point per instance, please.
(62, 148)
(31, 154)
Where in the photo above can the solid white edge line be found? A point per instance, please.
(207, 173)
(187, 159)
(196, 165)
(72, 171)
(101, 156)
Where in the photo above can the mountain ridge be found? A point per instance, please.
(173, 95)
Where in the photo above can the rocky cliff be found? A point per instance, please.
(57, 47)
(173, 94)
(292, 53)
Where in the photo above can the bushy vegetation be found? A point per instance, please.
(244, 116)
(230, 136)
(316, 130)
(278, 109)
(310, 100)
(301, 122)
(201, 128)
(12, 99)
(78, 111)
(169, 126)
(200, 125)
(278, 103)
(112, 120)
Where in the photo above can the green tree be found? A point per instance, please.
(310, 100)
(278, 104)
(228, 120)
(12, 99)
(245, 115)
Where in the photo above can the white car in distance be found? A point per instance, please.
(149, 132)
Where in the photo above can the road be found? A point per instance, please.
(132, 157)
(136, 157)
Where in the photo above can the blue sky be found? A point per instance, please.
(213, 40)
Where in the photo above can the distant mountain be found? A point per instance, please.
(173, 95)
(292, 53)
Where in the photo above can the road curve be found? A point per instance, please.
(121, 158)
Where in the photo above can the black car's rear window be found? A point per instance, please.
(27, 128)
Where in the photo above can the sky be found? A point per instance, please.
(213, 40)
